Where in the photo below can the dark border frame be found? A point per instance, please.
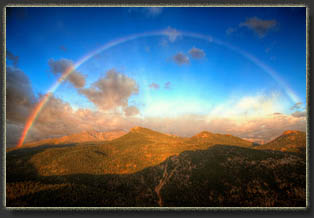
(167, 3)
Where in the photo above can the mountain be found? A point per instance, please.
(220, 176)
(85, 136)
(148, 168)
(134, 151)
(290, 140)
(208, 138)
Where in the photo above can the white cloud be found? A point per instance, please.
(111, 91)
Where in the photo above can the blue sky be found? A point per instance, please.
(218, 75)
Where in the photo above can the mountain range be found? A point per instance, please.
(143, 167)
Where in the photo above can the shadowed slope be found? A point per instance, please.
(218, 176)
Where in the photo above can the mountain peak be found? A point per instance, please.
(137, 129)
(204, 134)
(288, 132)
(290, 140)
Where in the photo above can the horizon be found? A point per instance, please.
(135, 128)
(157, 68)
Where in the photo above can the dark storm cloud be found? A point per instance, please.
(60, 66)
(259, 26)
(180, 59)
(13, 58)
(111, 91)
(196, 53)
(154, 86)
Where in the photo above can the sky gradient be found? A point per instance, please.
(239, 71)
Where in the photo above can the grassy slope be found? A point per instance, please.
(204, 139)
(291, 141)
(138, 149)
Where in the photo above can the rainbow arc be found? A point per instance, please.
(172, 34)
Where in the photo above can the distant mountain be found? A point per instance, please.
(209, 138)
(85, 136)
(290, 140)
(134, 151)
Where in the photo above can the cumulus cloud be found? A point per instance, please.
(60, 66)
(58, 118)
(259, 26)
(172, 34)
(296, 106)
(299, 114)
(131, 111)
(19, 95)
(111, 91)
(13, 58)
(180, 59)
(69, 121)
(167, 85)
(196, 53)
(20, 101)
(154, 86)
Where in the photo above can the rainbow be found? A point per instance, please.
(168, 32)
